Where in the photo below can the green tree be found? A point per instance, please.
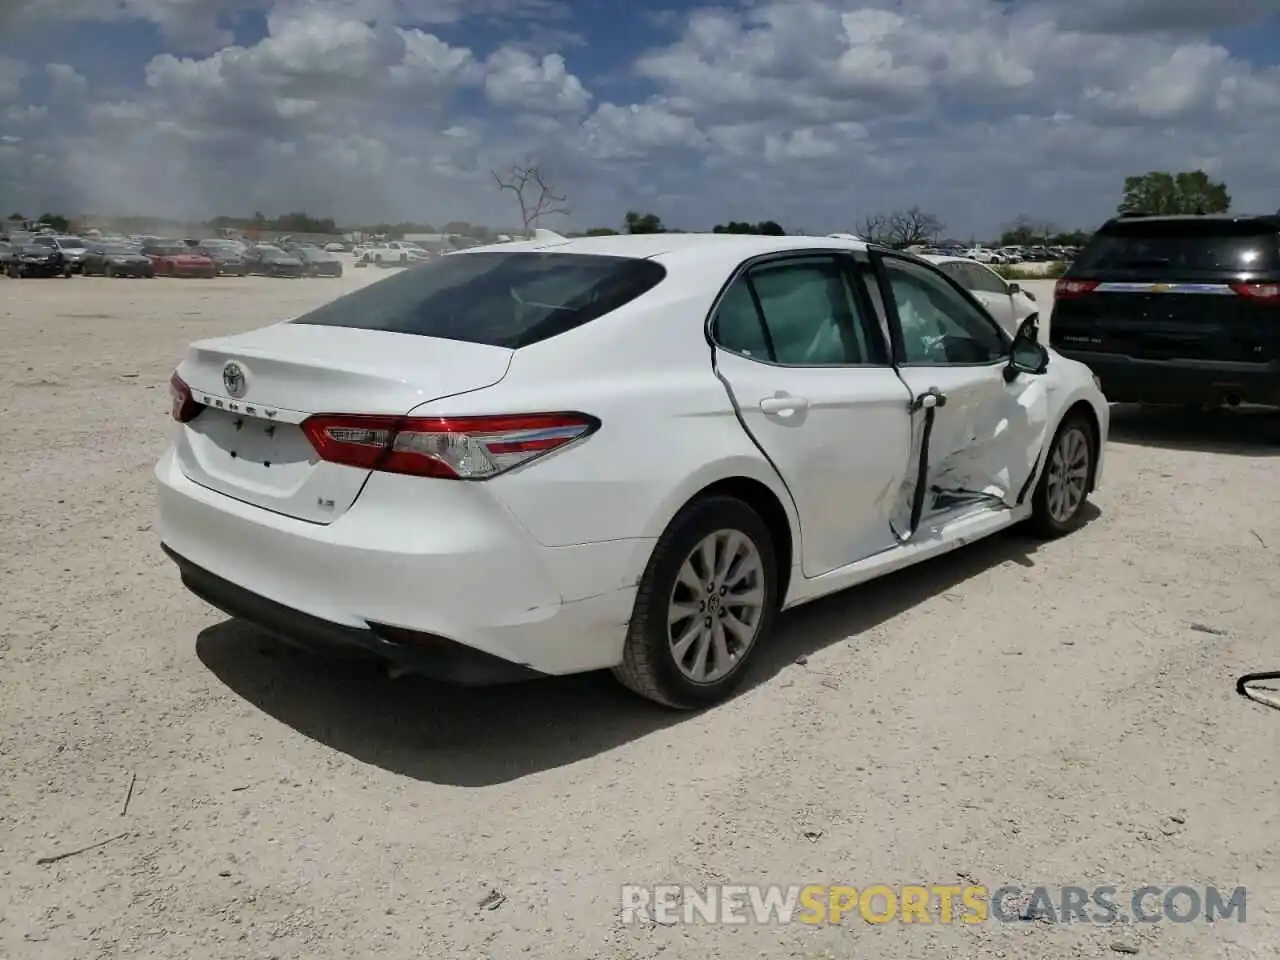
(57, 221)
(1160, 192)
(1071, 238)
(768, 228)
(1026, 231)
(636, 222)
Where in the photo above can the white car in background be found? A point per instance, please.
(625, 452)
(1004, 299)
(390, 252)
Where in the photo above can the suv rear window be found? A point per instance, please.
(1182, 246)
(495, 298)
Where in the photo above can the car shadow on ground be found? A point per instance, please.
(1239, 431)
(478, 737)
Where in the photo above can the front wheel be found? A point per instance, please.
(707, 597)
(1057, 507)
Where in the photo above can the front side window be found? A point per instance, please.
(985, 281)
(939, 325)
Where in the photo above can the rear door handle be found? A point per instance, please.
(783, 404)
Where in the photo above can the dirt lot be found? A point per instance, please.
(1022, 714)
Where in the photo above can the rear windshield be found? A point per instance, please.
(495, 298)
(1183, 246)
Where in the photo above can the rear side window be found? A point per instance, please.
(1204, 246)
(496, 298)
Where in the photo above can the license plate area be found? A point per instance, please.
(252, 452)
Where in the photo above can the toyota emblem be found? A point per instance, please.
(235, 380)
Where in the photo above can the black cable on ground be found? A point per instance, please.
(1268, 696)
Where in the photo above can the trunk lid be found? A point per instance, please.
(248, 442)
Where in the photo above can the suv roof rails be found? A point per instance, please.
(1130, 214)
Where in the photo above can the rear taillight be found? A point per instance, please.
(185, 407)
(1266, 292)
(453, 448)
(1066, 289)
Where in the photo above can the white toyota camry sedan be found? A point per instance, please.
(628, 452)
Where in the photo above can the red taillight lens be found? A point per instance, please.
(184, 406)
(1066, 289)
(1266, 292)
(454, 448)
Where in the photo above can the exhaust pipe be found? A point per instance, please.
(1233, 400)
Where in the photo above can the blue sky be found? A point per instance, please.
(815, 113)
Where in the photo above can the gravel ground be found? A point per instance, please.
(1057, 714)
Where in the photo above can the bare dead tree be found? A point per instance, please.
(875, 229)
(536, 198)
(901, 228)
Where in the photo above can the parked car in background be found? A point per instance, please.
(317, 262)
(1006, 301)
(388, 473)
(73, 248)
(39, 260)
(116, 259)
(268, 260)
(6, 257)
(227, 254)
(173, 258)
(336, 247)
(1176, 309)
(391, 252)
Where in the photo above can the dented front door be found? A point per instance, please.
(976, 436)
(986, 436)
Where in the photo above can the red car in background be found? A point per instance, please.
(173, 258)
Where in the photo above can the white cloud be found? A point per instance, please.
(12, 73)
(66, 81)
(809, 111)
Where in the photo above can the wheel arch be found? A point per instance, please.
(750, 483)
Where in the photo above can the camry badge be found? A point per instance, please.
(235, 380)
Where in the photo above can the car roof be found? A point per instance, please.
(1270, 219)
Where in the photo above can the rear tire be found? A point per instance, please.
(1057, 506)
(685, 613)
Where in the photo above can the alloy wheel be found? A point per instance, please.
(716, 607)
(1068, 474)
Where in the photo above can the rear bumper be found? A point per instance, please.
(1135, 380)
(445, 560)
(434, 657)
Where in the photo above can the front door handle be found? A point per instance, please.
(784, 404)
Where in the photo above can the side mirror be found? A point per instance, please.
(1027, 355)
(1014, 288)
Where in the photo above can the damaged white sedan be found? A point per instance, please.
(631, 452)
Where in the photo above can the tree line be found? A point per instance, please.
(1157, 192)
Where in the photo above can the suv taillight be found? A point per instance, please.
(1066, 289)
(1266, 292)
(453, 448)
(185, 407)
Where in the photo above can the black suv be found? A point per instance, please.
(1177, 309)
